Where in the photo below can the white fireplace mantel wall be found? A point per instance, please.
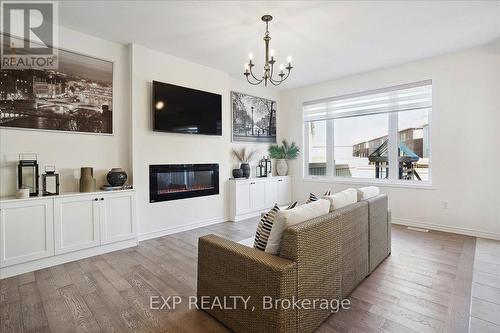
(148, 147)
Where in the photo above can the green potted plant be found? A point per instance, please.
(244, 158)
(282, 153)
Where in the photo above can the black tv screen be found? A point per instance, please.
(184, 110)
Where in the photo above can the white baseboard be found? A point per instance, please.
(446, 228)
(185, 227)
(34, 265)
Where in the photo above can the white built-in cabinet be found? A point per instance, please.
(26, 231)
(249, 197)
(44, 231)
(76, 223)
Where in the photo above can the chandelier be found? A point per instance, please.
(269, 63)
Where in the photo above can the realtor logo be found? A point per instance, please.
(29, 34)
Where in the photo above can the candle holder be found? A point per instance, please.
(50, 181)
(27, 173)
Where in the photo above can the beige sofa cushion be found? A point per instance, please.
(285, 218)
(367, 192)
(342, 199)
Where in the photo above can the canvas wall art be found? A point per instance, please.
(75, 97)
(254, 118)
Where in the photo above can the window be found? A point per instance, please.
(317, 147)
(361, 135)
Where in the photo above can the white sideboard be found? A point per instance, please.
(250, 197)
(41, 232)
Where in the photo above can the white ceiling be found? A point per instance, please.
(327, 39)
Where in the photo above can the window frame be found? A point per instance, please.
(393, 140)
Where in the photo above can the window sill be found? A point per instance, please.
(396, 184)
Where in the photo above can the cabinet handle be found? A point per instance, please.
(96, 199)
(252, 183)
(280, 180)
(102, 199)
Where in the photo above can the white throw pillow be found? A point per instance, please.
(368, 192)
(342, 199)
(286, 218)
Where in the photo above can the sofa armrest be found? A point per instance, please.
(379, 225)
(226, 268)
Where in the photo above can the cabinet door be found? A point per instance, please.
(243, 197)
(284, 191)
(271, 193)
(117, 218)
(26, 231)
(76, 222)
(258, 193)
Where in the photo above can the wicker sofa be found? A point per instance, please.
(323, 258)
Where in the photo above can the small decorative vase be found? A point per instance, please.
(281, 167)
(116, 177)
(245, 169)
(237, 173)
(87, 181)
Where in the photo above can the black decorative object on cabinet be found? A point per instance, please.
(116, 177)
(50, 181)
(27, 173)
(245, 168)
(237, 173)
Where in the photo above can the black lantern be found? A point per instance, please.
(50, 181)
(27, 173)
(268, 166)
(260, 171)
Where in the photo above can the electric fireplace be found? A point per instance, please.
(180, 181)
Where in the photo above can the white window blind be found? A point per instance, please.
(413, 96)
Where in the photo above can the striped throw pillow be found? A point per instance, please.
(312, 198)
(264, 229)
(265, 226)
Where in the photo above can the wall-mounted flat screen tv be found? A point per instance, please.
(184, 110)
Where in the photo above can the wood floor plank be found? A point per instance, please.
(82, 316)
(33, 314)
(58, 313)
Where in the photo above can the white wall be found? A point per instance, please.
(164, 148)
(465, 139)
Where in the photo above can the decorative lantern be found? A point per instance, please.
(261, 171)
(50, 181)
(27, 173)
(268, 166)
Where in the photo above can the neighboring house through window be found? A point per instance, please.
(362, 135)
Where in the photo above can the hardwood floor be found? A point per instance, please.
(424, 286)
(485, 306)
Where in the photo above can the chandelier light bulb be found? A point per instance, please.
(289, 59)
(250, 56)
(271, 53)
(282, 67)
(246, 66)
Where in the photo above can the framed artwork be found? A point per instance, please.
(75, 97)
(254, 118)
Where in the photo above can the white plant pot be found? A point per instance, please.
(281, 167)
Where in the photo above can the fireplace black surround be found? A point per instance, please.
(180, 181)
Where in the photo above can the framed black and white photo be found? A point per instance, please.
(75, 97)
(254, 118)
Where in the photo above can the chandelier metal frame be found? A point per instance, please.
(267, 76)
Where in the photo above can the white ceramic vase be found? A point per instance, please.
(281, 167)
